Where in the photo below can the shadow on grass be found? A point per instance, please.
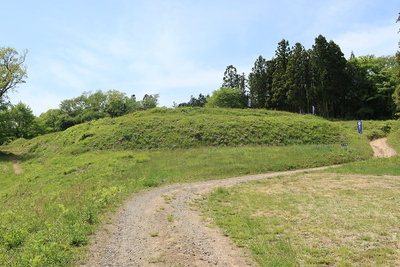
(10, 157)
(6, 157)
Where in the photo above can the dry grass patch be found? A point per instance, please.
(313, 219)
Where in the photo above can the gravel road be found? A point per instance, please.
(159, 228)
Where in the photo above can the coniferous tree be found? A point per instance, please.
(297, 80)
(258, 83)
(396, 94)
(231, 78)
(329, 79)
(242, 82)
(278, 90)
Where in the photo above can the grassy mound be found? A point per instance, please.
(72, 178)
(191, 128)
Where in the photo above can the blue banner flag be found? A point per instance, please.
(313, 110)
(360, 127)
(249, 102)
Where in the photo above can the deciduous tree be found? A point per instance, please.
(12, 69)
(150, 101)
(20, 121)
(227, 98)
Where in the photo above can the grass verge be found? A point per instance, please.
(312, 219)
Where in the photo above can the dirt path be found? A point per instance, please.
(17, 167)
(382, 149)
(159, 228)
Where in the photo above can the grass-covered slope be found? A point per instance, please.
(73, 177)
(192, 128)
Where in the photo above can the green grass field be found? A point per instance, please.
(72, 178)
(314, 219)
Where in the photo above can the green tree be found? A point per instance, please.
(231, 78)
(150, 101)
(200, 101)
(12, 69)
(396, 93)
(279, 89)
(381, 73)
(92, 106)
(51, 120)
(20, 121)
(259, 83)
(329, 78)
(358, 97)
(297, 80)
(132, 104)
(227, 98)
(234, 80)
(4, 134)
(242, 82)
(116, 103)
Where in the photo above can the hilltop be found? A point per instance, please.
(71, 179)
(162, 128)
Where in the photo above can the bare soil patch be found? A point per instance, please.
(17, 167)
(382, 149)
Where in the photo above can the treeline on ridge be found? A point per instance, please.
(319, 80)
(300, 80)
(18, 120)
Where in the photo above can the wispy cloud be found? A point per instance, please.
(179, 48)
(381, 41)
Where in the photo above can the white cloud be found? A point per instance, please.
(181, 48)
(60, 72)
(380, 41)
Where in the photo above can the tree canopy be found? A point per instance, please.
(92, 106)
(396, 94)
(12, 69)
(227, 98)
(322, 79)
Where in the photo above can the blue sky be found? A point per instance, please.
(175, 48)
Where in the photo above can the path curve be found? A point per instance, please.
(159, 228)
(382, 149)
